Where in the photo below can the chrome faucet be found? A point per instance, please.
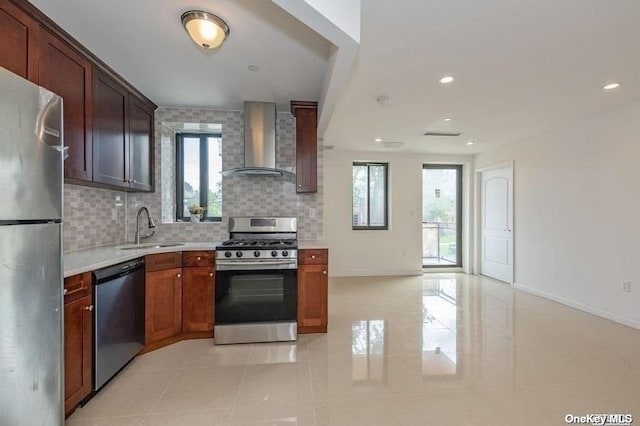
(150, 224)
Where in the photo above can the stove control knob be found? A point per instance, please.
(285, 253)
(274, 253)
(227, 254)
(238, 254)
(256, 253)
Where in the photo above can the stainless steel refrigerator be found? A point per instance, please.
(31, 164)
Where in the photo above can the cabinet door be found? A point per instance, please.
(65, 72)
(163, 304)
(110, 132)
(140, 144)
(306, 147)
(197, 299)
(19, 42)
(312, 298)
(78, 330)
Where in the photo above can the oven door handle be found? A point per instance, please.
(222, 265)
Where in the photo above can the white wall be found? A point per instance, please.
(397, 251)
(577, 213)
(345, 14)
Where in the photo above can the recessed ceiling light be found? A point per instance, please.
(446, 119)
(383, 100)
(611, 86)
(254, 68)
(378, 139)
(447, 79)
(470, 143)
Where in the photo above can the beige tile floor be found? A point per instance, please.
(442, 349)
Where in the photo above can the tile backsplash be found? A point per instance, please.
(94, 217)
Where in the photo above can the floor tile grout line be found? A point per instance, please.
(175, 378)
(313, 392)
(244, 373)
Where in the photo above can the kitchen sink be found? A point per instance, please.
(148, 246)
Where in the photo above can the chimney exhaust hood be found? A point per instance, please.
(260, 143)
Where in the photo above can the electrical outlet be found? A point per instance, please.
(625, 286)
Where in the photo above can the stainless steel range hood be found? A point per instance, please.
(260, 143)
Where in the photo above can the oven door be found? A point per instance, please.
(253, 296)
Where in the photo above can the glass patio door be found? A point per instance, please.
(441, 215)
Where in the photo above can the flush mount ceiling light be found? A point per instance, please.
(446, 79)
(378, 139)
(470, 143)
(446, 119)
(206, 29)
(611, 86)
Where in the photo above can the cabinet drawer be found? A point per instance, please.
(197, 258)
(160, 262)
(77, 286)
(313, 257)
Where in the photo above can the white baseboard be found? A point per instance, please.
(587, 308)
(372, 273)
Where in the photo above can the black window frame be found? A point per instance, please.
(368, 227)
(204, 173)
(459, 200)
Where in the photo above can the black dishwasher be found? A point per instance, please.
(118, 296)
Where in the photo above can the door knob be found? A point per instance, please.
(324, 272)
(65, 291)
(210, 274)
(178, 275)
(88, 308)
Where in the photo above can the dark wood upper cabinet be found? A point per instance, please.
(19, 41)
(65, 72)
(122, 136)
(140, 144)
(110, 132)
(34, 47)
(306, 114)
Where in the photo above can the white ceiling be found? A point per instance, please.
(521, 67)
(145, 42)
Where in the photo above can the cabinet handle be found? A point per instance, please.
(178, 275)
(324, 272)
(210, 274)
(64, 292)
(88, 308)
(198, 258)
(299, 186)
(313, 256)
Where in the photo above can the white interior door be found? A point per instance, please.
(497, 223)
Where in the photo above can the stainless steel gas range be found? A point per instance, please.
(256, 297)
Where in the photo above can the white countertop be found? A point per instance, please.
(312, 244)
(79, 261)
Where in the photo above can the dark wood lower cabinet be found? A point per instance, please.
(78, 340)
(312, 298)
(163, 300)
(197, 299)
